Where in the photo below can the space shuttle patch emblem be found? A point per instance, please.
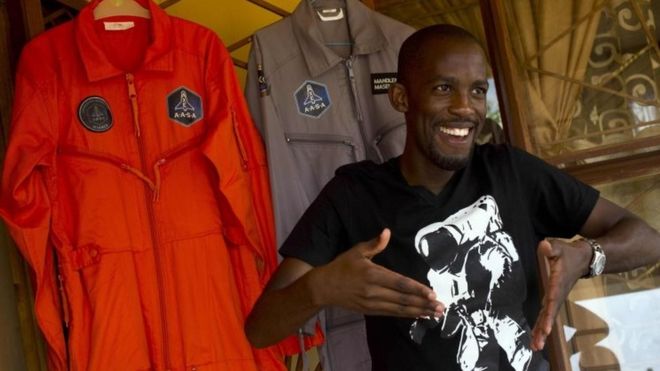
(184, 106)
(312, 99)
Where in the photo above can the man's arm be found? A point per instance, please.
(628, 243)
(297, 291)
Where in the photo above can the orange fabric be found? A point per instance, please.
(162, 232)
(262, 201)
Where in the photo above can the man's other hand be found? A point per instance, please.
(353, 281)
(567, 262)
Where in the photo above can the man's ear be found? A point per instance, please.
(398, 97)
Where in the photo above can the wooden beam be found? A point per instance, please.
(595, 134)
(33, 18)
(168, 3)
(609, 171)
(370, 3)
(606, 150)
(239, 63)
(270, 7)
(507, 73)
(61, 12)
(239, 44)
(74, 4)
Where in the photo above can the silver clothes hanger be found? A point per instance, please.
(329, 15)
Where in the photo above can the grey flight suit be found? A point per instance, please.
(316, 111)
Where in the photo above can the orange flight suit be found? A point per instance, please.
(135, 186)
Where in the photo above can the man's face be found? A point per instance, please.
(446, 102)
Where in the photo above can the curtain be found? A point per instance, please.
(552, 40)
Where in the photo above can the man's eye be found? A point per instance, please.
(480, 91)
(443, 87)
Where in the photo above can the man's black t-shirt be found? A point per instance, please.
(474, 243)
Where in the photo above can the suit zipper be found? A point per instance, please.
(356, 102)
(132, 94)
(338, 141)
(239, 142)
(346, 142)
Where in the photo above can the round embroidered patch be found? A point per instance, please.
(94, 113)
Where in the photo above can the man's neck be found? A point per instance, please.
(423, 172)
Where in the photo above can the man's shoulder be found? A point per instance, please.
(364, 176)
(490, 149)
(501, 154)
(493, 155)
(362, 168)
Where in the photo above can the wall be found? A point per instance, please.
(232, 20)
(12, 350)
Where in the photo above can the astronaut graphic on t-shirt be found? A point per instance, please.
(470, 256)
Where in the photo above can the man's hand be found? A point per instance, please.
(353, 281)
(568, 262)
(297, 291)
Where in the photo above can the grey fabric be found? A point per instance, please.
(292, 63)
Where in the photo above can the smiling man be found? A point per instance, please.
(438, 246)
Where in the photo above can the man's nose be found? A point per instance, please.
(460, 105)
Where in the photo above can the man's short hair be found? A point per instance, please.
(413, 46)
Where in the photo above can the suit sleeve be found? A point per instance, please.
(25, 204)
(255, 84)
(257, 93)
(224, 147)
(234, 147)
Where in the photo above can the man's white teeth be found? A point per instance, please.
(458, 132)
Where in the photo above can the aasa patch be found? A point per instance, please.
(312, 99)
(94, 113)
(184, 106)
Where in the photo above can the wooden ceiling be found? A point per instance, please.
(417, 13)
(57, 11)
(421, 13)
